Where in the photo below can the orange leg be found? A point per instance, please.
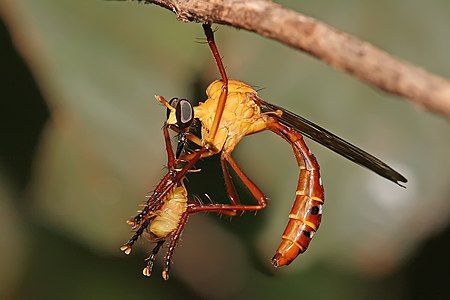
(169, 149)
(254, 190)
(135, 222)
(143, 219)
(231, 190)
(224, 93)
(217, 208)
(169, 181)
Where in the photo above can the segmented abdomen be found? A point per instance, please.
(169, 216)
(306, 213)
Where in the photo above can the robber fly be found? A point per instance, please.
(233, 110)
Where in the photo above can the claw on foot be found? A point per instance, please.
(126, 249)
(165, 275)
(147, 271)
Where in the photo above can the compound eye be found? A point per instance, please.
(184, 113)
(173, 102)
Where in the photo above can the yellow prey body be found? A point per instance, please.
(169, 216)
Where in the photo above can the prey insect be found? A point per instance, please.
(164, 214)
(167, 210)
(232, 111)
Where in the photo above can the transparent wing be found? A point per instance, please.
(333, 142)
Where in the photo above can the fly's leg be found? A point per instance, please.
(232, 195)
(152, 203)
(217, 208)
(224, 93)
(231, 189)
(151, 259)
(170, 180)
(176, 237)
(173, 243)
(127, 247)
(254, 190)
(215, 52)
(169, 150)
(149, 206)
(193, 208)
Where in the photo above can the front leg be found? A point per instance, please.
(128, 246)
(224, 92)
(169, 181)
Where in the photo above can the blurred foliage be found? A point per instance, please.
(98, 65)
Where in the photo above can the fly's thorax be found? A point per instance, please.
(241, 115)
(234, 86)
(169, 216)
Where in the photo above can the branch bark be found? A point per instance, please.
(336, 48)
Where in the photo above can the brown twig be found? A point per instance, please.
(336, 48)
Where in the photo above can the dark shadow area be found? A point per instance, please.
(77, 272)
(23, 113)
(428, 272)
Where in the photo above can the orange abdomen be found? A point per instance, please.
(306, 213)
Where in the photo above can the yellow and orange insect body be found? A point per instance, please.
(169, 215)
(241, 115)
(232, 111)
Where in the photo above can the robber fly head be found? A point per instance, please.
(180, 114)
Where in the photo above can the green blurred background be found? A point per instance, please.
(82, 144)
